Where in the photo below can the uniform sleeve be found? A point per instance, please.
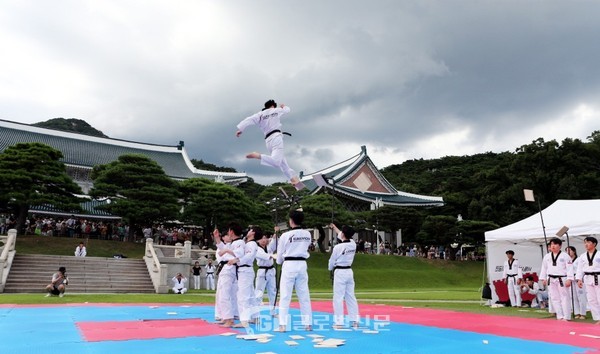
(544, 270)
(249, 253)
(519, 270)
(262, 255)
(281, 248)
(579, 270)
(252, 120)
(334, 256)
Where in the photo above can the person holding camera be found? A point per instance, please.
(58, 284)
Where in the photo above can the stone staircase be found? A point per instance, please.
(31, 273)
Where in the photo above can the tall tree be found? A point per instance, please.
(211, 204)
(32, 174)
(139, 190)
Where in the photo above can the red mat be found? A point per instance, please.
(545, 330)
(147, 329)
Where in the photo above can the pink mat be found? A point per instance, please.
(546, 330)
(147, 329)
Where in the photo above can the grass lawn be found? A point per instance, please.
(406, 281)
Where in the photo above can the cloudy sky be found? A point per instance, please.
(408, 79)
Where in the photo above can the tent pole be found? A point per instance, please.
(543, 227)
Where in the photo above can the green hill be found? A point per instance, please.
(72, 125)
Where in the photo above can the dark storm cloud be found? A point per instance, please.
(406, 79)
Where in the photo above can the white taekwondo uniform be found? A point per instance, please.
(269, 121)
(227, 281)
(579, 296)
(292, 252)
(245, 274)
(210, 276)
(589, 272)
(340, 263)
(557, 269)
(179, 285)
(265, 276)
(512, 272)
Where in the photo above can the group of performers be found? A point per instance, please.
(240, 291)
(571, 280)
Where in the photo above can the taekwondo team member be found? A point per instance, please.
(292, 253)
(578, 294)
(557, 272)
(513, 276)
(227, 282)
(219, 259)
(340, 264)
(245, 275)
(210, 275)
(269, 121)
(265, 276)
(179, 284)
(588, 275)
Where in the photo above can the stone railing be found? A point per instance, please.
(158, 272)
(164, 262)
(7, 255)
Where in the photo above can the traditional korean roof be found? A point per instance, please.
(88, 151)
(88, 210)
(358, 178)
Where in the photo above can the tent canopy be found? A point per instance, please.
(581, 216)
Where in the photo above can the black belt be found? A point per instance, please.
(266, 269)
(294, 259)
(595, 274)
(559, 277)
(341, 267)
(209, 273)
(276, 131)
(510, 276)
(238, 267)
(220, 266)
(332, 273)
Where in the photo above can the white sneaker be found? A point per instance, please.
(48, 295)
(61, 295)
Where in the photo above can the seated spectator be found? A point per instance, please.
(179, 282)
(80, 251)
(58, 284)
(533, 288)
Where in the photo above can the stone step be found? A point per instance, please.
(32, 273)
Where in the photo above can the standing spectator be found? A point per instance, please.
(80, 251)
(210, 275)
(196, 271)
(58, 284)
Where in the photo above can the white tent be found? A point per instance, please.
(526, 237)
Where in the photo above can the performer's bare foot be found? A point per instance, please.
(227, 323)
(338, 326)
(355, 325)
(240, 325)
(294, 180)
(280, 329)
(308, 328)
(253, 155)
